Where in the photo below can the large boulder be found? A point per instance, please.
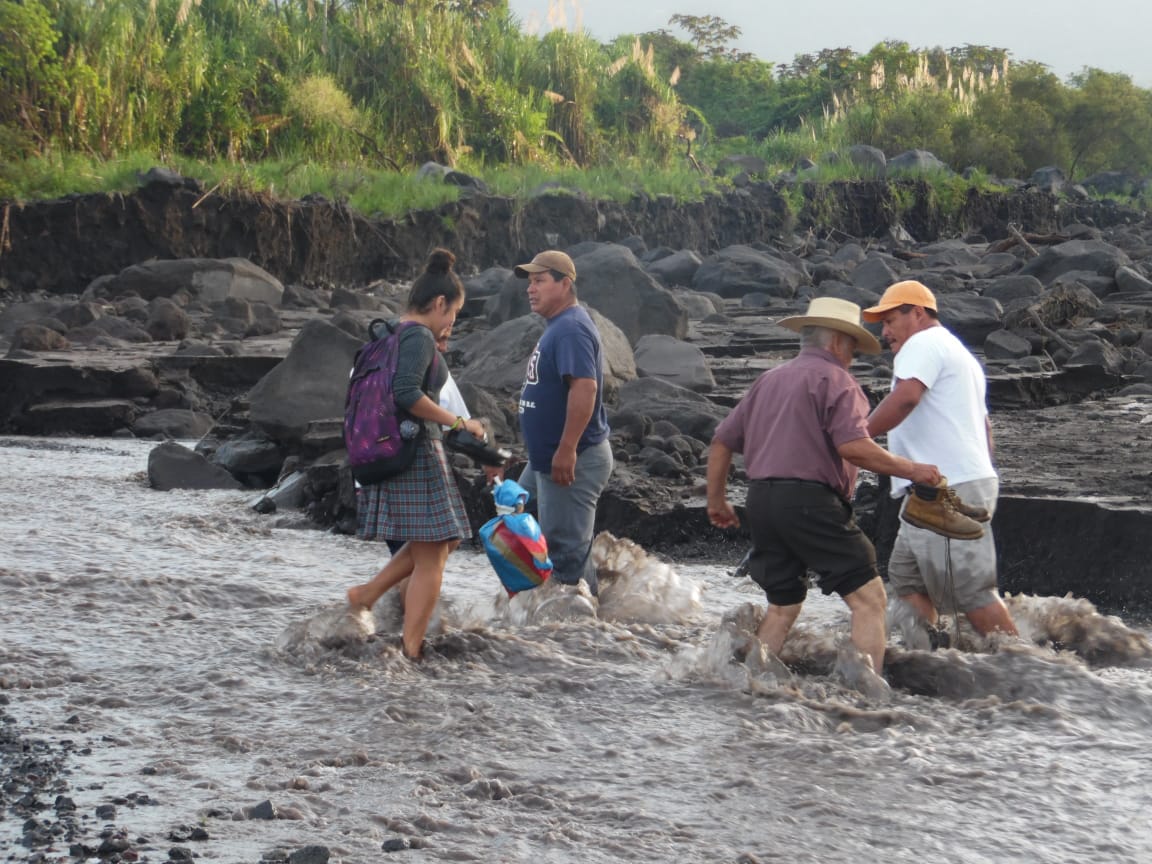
(675, 361)
(699, 305)
(862, 297)
(916, 163)
(167, 322)
(970, 317)
(850, 253)
(252, 457)
(15, 316)
(950, 254)
(676, 269)
(875, 274)
(1093, 256)
(477, 289)
(996, 264)
(1008, 288)
(1048, 179)
(308, 384)
(738, 270)
(37, 337)
(210, 280)
(691, 413)
(1132, 281)
(79, 314)
(174, 466)
(619, 358)
(1110, 183)
(611, 280)
(242, 318)
(496, 360)
(869, 160)
(1006, 345)
(1096, 353)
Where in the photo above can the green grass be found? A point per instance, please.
(619, 183)
(372, 192)
(389, 194)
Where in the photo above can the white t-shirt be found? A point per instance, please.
(947, 427)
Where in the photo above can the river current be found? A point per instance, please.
(202, 655)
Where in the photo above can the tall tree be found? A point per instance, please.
(710, 34)
(1108, 122)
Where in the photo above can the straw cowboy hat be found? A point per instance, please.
(835, 314)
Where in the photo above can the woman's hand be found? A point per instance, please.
(476, 428)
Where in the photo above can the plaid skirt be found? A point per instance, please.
(420, 504)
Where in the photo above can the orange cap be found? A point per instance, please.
(908, 292)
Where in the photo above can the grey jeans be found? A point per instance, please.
(567, 514)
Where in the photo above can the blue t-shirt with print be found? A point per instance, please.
(570, 346)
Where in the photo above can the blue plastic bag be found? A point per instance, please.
(513, 540)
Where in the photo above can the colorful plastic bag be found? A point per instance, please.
(512, 539)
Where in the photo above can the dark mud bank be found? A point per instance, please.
(60, 246)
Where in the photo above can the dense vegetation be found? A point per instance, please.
(331, 95)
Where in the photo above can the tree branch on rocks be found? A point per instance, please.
(1028, 241)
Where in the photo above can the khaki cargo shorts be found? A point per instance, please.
(919, 564)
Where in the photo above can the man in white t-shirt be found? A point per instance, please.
(936, 413)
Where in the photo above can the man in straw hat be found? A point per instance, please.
(563, 420)
(803, 431)
(936, 410)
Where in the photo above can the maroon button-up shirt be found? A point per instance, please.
(792, 419)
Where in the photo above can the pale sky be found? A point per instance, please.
(1113, 35)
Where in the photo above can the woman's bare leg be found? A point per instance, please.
(397, 569)
(423, 590)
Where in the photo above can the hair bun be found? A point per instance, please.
(440, 261)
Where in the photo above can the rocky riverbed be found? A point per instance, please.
(237, 331)
(222, 350)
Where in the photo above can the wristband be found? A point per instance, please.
(459, 422)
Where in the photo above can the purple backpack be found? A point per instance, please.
(381, 437)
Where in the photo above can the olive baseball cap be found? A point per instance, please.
(550, 260)
(908, 292)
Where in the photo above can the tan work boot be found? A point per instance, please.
(931, 508)
(969, 510)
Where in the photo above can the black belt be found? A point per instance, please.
(791, 481)
(795, 481)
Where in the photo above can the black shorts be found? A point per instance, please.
(801, 525)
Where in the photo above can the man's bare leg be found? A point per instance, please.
(423, 591)
(774, 627)
(397, 569)
(869, 632)
(992, 618)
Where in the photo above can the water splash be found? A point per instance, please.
(637, 587)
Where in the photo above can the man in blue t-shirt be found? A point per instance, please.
(562, 418)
